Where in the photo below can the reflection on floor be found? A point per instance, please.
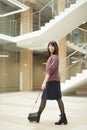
(14, 109)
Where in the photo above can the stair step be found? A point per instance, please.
(67, 9)
(47, 24)
(68, 81)
(42, 27)
(78, 74)
(52, 20)
(73, 5)
(84, 71)
(81, 91)
(73, 77)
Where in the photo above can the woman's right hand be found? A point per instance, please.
(43, 86)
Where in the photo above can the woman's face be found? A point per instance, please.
(51, 49)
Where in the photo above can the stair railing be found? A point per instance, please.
(73, 53)
(84, 30)
(73, 64)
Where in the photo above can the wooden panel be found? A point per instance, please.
(26, 67)
(9, 72)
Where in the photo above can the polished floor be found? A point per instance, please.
(14, 109)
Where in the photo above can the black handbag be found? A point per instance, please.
(34, 116)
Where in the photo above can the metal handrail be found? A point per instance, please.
(84, 30)
(73, 53)
(67, 69)
(75, 63)
(46, 5)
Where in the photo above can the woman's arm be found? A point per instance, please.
(44, 82)
(52, 64)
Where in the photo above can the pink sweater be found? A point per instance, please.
(52, 68)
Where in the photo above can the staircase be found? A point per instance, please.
(78, 81)
(57, 28)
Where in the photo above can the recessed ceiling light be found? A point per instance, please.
(21, 7)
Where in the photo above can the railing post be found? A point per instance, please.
(39, 25)
(10, 32)
(54, 8)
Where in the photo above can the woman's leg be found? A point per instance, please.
(61, 106)
(42, 106)
(63, 119)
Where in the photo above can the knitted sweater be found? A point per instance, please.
(52, 68)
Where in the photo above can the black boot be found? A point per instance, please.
(62, 120)
(38, 117)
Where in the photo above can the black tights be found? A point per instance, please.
(61, 106)
(43, 104)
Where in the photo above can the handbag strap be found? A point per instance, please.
(36, 99)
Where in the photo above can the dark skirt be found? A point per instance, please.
(52, 90)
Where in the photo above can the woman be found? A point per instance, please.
(51, 84)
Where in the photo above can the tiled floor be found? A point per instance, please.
(14, 109)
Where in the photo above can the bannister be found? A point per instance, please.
(74, 63)
(69, 67)
(73, 53)
(84, 30)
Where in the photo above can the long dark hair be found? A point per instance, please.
(56, 49)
